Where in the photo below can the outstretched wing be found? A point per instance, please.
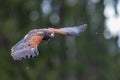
(26, 48)
(57, 31)
(71, 31)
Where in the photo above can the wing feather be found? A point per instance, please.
(74, 31)
(71, 31)
(57, 31)
(26, 48)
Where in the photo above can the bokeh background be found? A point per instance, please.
(95, 55)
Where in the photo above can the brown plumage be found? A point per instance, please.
(27, 47)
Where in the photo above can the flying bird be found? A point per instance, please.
(28, 46)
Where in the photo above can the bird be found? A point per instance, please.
(27, 47)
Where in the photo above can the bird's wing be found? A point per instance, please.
(26, 48)
(57, 31)
(71, 31)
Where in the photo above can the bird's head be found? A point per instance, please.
(47, 34)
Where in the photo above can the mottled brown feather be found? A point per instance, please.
(35, 40)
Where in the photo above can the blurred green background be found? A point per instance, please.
(87, 57)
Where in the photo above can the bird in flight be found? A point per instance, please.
(28, 46)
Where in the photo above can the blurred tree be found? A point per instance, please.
(63, 58)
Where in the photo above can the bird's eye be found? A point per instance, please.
(52, 34)
(49, 33)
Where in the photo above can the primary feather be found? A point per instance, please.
(22, 50)
(74, 31)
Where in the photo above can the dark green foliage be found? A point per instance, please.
(86, 57)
